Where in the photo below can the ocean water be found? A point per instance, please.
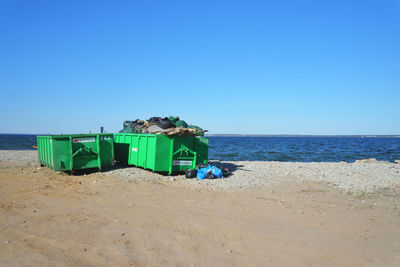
(303, 149)
(17, 141)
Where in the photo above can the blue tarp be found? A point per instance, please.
(201, 173)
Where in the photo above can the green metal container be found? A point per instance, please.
(160, 153)
(76, 152)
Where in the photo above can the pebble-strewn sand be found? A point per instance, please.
(361, 176)
(25, 157)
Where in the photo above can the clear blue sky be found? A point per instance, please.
(258, 67)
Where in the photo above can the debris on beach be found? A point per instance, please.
(209, 172)
(206, 171)
(171, 126)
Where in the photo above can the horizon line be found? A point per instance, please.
(259, 135)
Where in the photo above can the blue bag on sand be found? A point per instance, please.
(201, 173)
(217, 172)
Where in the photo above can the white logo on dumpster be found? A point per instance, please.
(134, 149)
(84, 140)
(182, 162)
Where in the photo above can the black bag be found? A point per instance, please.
(226, 173)
(165, 123)
(154, 119)
(201, 166)
(209, 175)
(190, 173)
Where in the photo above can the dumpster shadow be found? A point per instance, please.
(95, 170)
(232, 167)
(82, 172)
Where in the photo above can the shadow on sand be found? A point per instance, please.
(232, 167)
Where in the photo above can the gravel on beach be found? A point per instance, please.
(21, 157)
(360, 176)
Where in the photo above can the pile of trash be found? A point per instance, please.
(172, 126)
(207, 172)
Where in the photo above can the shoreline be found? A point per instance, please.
(365, 160)
(362, 176)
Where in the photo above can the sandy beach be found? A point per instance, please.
(266, 213)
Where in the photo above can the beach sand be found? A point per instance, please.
(276, 214)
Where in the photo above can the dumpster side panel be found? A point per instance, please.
(144, 152)
(107, 150)
(184, 153)
(44, 151)
(40, 150)
(74, 152)
(137, 149)
(189, 152)
(61, 154)
(85, 152)
(151, 149)
(141, 151)
(161, 153)
(163, 157)
(92, 151)
(133, 150)
(202, 150)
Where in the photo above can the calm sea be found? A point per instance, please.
(304, 149)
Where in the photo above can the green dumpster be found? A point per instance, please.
(160, 153)
(76, 152)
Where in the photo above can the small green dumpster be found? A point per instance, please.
(160, 153)
(76, 152)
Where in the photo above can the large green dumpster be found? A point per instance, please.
(160, 153)
(75, 152)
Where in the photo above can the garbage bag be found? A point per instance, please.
(217, 172)
(165, 123)
(137, 126)
(201, 173)
(181, 123)
(226, 172)
(173, 118)
(132, 126)
(153, 129)
(154, 119)
(127, 127)
(189, 173)
(210, 175)
(201, 166)
(214, 171)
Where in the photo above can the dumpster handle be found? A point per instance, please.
(183, 147)
(80, 150)
(72, 157)
(98, 150)
(171, 147)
